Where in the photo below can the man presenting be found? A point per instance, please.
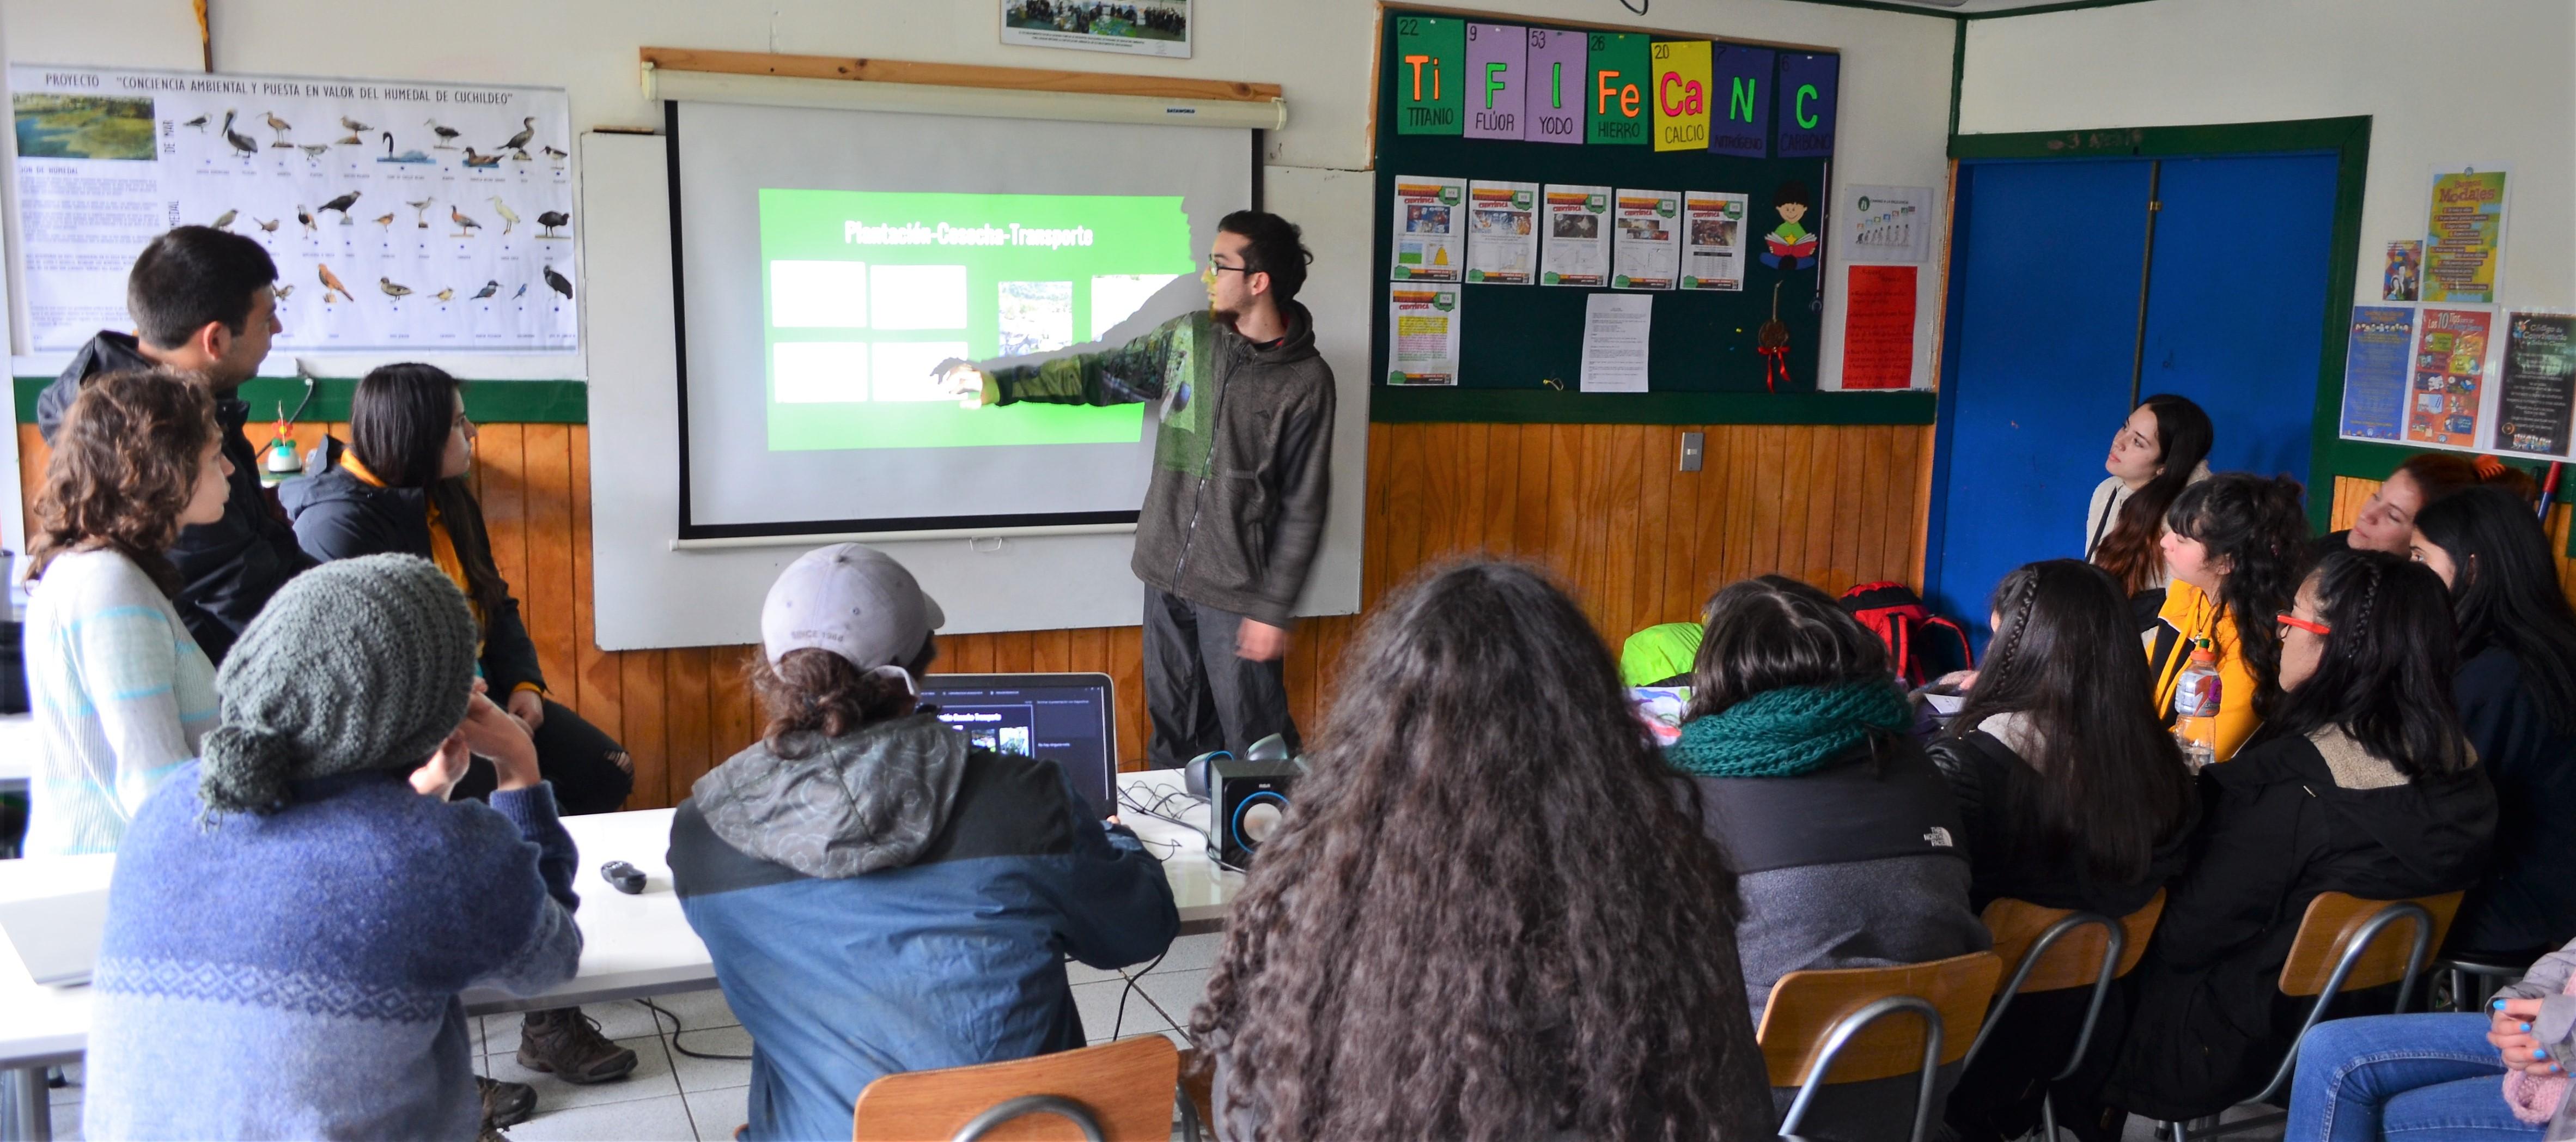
(1236, 507)
(203, 303)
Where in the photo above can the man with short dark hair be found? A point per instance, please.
(203, 303)
(1236, 508)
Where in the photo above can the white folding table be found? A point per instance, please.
(632, 946)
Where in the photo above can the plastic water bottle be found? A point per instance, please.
(2196, 704)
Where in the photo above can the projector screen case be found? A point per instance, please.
(826, 260)
(991, 102)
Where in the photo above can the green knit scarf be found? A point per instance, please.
(1787, 732)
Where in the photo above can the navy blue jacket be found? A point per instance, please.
(953, 959)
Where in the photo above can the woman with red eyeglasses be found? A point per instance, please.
(2361, 781)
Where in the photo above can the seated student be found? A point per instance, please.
(400, 485)
(2237, 545)
(121, 693)
(1843, 837)
(2071, 796)
(202, 302)
(2163, 448)
(2387, 519)
(2361, 783)
(2435, 1075)
(292, 920)
(879, 895)
(1483, 919)
(2517, 695)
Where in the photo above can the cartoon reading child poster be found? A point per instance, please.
(1790, 241)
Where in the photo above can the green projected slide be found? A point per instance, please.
(864, 292)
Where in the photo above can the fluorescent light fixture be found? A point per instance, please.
(931, 99)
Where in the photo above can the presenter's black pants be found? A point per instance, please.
(1198, 694)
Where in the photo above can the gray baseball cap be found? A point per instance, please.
(854, 601)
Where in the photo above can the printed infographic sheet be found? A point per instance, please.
(401, 215)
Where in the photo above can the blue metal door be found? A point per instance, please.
(2043, 326)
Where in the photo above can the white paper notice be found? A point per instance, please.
(402, 215)
(1502, 232)
(1427, 231)
(1649, 248)
(1422, 342)
(1891, 224)
(1576, 232)
(1712, 240)
(1615, 331)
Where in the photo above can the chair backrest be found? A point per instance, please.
(1127, 1086)
(2075, 960)
(2332, 920)
(1805, 1005)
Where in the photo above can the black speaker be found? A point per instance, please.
(1250, 798)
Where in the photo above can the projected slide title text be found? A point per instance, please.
(857, 233)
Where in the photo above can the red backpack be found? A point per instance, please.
(1923, 645)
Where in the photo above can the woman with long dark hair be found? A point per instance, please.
(2161, 449)
(2387, 519)
(1484, 919)
(2237, 544)
(400, 486)
(122, 694)
(2517, 695)
(2360, 782)
(1843, 838)
(2072, 796)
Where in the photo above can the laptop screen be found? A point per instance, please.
(1063, 718)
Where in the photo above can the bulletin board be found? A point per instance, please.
(1515, 339)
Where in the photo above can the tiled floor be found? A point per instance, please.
(673, 1097)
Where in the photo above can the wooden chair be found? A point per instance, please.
(2052, 949)
(2339, 949)
(1825, 1027)
(1123, 1088)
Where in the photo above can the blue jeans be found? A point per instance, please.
(2401, 1076)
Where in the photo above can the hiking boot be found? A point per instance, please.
(506, 1104)
(567, 1044)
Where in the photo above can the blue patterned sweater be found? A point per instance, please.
(297, 975)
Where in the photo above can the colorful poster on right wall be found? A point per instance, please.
(2464, 235)
(2449, 377)
(2536, 384)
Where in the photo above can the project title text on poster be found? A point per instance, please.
(216, 84)
(858, 233)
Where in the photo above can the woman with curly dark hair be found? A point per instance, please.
(2237, 544)
(122, 694)
(1488, 916)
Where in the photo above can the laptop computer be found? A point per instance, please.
(1069, 719)
(57, 936)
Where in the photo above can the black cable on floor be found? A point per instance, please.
(1120, 1024)
(657, 1010)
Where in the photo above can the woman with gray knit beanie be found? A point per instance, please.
(320, 999)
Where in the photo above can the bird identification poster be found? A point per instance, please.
(402, 215)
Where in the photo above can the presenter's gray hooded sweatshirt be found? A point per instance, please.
(1236, 508)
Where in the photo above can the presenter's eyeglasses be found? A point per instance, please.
(2315, 628)
(1215, 267)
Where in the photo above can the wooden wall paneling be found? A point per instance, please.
(1051, 651)
(733, 717)
(545, 589)
(31, 476)
(1898, 535)
(1374, 535)
(642, 728)
(1852, 496)
(500, 484)
(1656, 528)
(1564, 490)
(1755, 450)
(1822, 495)
(595, 677)
(1498, 515)
(1127, 677)
(1864, 516)
(1443, 493)
(1404, 506)
(1531, 499)
(1622, 511)
(688, 719)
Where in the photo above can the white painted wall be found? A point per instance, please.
(1894, 99)
(1893, 119)
(2445, 82)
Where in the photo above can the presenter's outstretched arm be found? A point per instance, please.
(1128, 374)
